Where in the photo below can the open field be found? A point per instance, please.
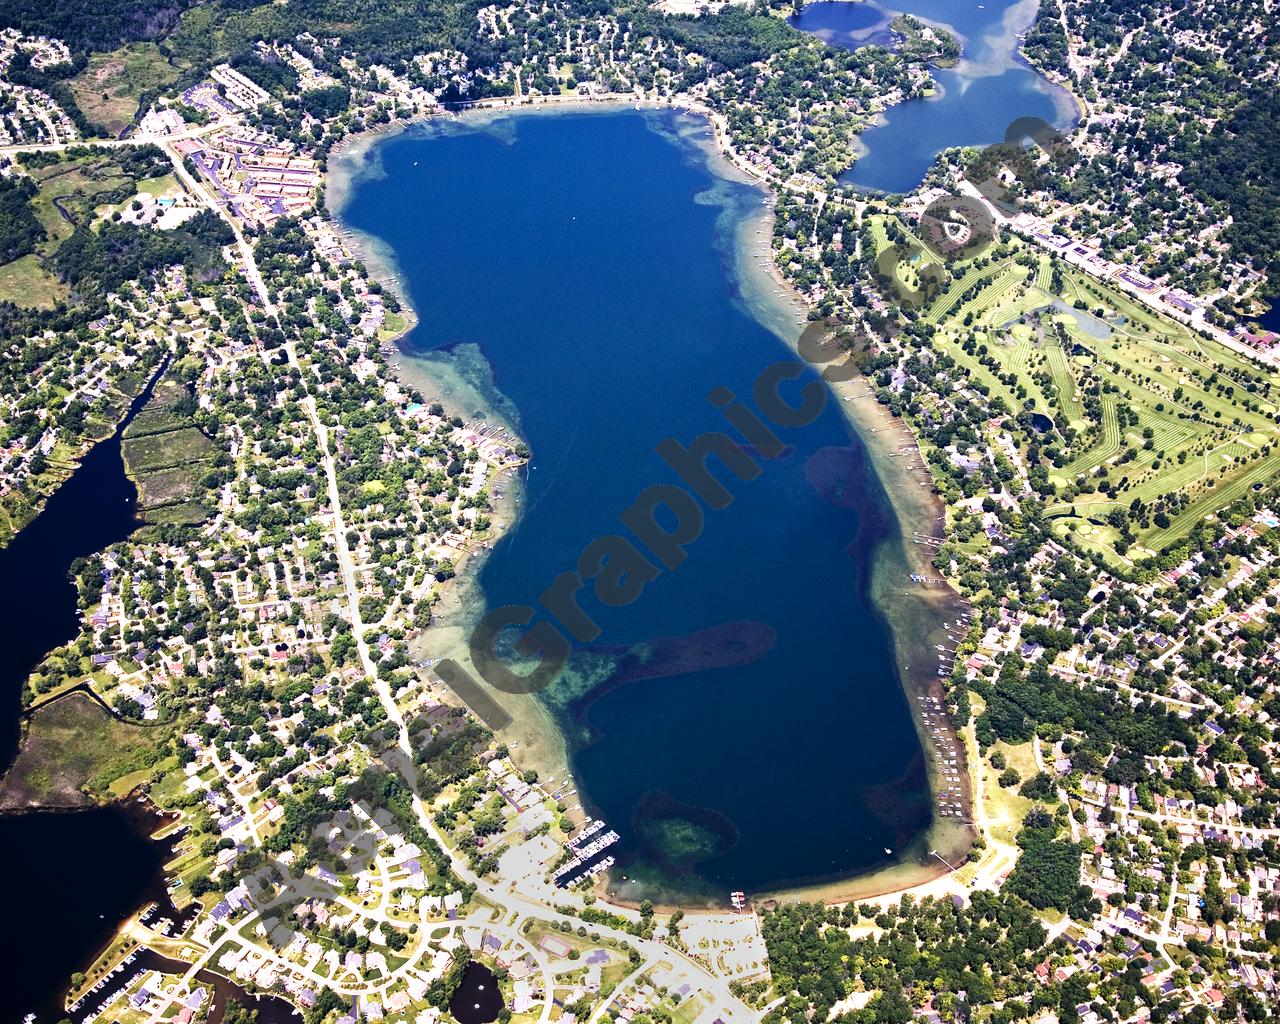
(73, 748)
(1144, 427)
(167, 457)
(26, 283)
(171, 448)
(108, 90)
(163, 185)
(71, 192)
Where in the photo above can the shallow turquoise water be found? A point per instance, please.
(586, 254)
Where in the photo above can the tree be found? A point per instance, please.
(237, 1013)
(1048, 872)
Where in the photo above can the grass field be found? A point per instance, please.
(26, 283)
(177, 447)
(393, 326)
(167, 457)
(73, 748)
(109, 88)
(71, 193)
(160, 186)
(1153, 428)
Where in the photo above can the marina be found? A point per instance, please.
(135, 984)
(590, 856)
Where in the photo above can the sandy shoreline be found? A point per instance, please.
(914, 613)
(534, 736)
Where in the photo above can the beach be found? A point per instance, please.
(915, 613)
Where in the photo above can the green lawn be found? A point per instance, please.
(26, 283)
(165, 183)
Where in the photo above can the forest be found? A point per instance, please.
(975, 953)
(1236, 164)
(1046, 42)
(97, 263)
(102, 25)
(19, 228)
(733, 38)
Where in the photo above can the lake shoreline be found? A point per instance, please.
(916, 507)
(992, 63)
(913, 504)
(534, 738)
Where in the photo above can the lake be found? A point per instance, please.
(1270, 320)
(68, 913)
(976, 101)
(92, 509)
(80, 874)
(741, 724)
(844, 24)
(73, 877)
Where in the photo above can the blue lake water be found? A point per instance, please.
(1270, 320)
(844, 24)
(761, 734)
(976, 101)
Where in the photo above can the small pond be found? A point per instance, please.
(478, 999)
(1087, 323)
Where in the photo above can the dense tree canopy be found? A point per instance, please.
(19, 228)
(1236, 163)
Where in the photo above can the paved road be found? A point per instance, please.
(134, 140)
(654, 952)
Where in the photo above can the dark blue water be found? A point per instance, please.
(72, 878)
(975, 102)
(93, 509)
(68, 911)
(478, 997)
(587, 255)
(1270, 320)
